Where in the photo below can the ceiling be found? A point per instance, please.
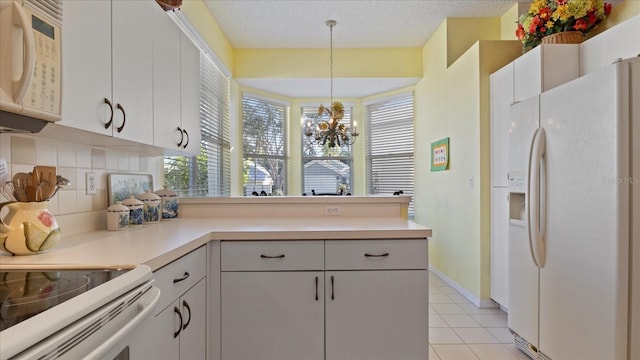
(361, 24)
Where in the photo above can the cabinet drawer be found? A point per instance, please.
(179, 276)
(272, 255)
(376, 254)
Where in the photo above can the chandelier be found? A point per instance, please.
(331, 132)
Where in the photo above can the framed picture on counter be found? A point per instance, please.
(440, 155)
(122, 186)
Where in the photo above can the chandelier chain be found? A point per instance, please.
(331, 24)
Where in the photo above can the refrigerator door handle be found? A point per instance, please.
(535, 206)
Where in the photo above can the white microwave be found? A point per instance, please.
(30, 71)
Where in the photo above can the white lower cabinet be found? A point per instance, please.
(180, 328)
(272, 315)
(376, 315)
(370, 303)
(180, 323)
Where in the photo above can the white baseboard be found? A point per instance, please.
(480, 303)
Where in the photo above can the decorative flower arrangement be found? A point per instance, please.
(336, 111)
(546, 17)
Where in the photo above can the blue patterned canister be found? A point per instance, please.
(135, 210)
(151, 208)
(117, 217)
(169, 203)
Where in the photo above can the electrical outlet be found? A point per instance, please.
(331, 210)
(91, 184)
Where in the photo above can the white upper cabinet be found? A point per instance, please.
(176, 87)
(166, 81)
(107, 68)
(501, 98)
(545, 67)
(190, 94)
(621, 41)
(86, 65)
(132, 31)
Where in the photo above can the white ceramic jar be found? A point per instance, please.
(168, 203)
(135, 207)
(151, 208)
(117, 217)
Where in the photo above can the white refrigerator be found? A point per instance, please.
(574, 218)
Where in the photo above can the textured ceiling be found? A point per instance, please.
(361, 24)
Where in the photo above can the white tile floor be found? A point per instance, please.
(458, 330)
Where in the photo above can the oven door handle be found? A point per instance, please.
(147, 304)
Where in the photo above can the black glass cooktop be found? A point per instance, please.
(24, 294)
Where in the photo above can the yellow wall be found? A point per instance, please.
(452, 101)
(620, 12)
(313, 63)
(464, 32)
(508, 20)
(199, 16)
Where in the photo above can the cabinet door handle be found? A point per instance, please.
(317, 288)
(376, 255)
(332, 292)
(187, 143)
(281, 256)
(181, 136)
(124, 117)
(177, 311)
(183, 278)
(186, 305)
(108, 123)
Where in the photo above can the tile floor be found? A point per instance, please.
(458, 330)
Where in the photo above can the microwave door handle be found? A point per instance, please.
(29, 62)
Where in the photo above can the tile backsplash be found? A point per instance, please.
(74, 161)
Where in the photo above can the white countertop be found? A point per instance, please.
(158, 244)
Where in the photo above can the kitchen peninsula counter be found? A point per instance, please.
(159, 244)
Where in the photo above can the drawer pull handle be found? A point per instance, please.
(281, 256)
(177, 311)
(376, 255)
(317, 288)
(185, 304)
(183, 278)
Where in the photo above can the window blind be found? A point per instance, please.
(390, 147)
(264, 145)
